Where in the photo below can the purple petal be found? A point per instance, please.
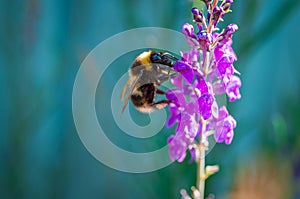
(224, 49)
(176, 96)
(228, 75)
(230, 29)
(170, 139)
(224, 128)
(177, 148)
(229, 137)
(193, 127)
(188, 75)
(225, 69)
(219, 53)
(232, 89)
(193, 155)
(201, 85)
(205, 103)
(223, 113)
(190, 57)
(194, 55)
(185, 70)
(218, 88)
(181, 66)
(175, 115)
(177, 81)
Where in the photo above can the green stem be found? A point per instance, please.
(201, 163)
(201, 173)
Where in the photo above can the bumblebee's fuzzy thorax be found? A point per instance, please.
(144, 58)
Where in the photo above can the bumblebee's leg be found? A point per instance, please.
(170, 56)
(161, 104)
(161, 92)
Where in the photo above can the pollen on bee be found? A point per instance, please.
(144, 58)
(161, 106)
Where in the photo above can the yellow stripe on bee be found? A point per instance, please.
(144, 58)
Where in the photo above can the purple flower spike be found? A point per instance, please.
(207, 70)
(232, 89)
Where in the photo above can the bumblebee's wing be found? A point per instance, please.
(163, 73)
(125, 89)
(132, 86)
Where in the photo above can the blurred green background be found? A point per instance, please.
(42, 44)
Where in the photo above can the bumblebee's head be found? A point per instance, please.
(155, 57)
(162, 58)
(147, 59)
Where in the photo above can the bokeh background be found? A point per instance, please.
(42, 44)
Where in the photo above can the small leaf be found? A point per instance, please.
(211, 169)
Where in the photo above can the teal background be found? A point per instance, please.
(42, 44)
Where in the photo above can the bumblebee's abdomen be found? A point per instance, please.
(144, 95)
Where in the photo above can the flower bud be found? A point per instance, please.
(226, 7)
(216, 15)
(204, 39)
(227, 34)
(230, 29)
(195, 11)
(188, 30)
(198, 17)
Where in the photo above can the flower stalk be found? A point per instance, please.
(201, 172)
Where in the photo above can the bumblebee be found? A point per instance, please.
(149, 70)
